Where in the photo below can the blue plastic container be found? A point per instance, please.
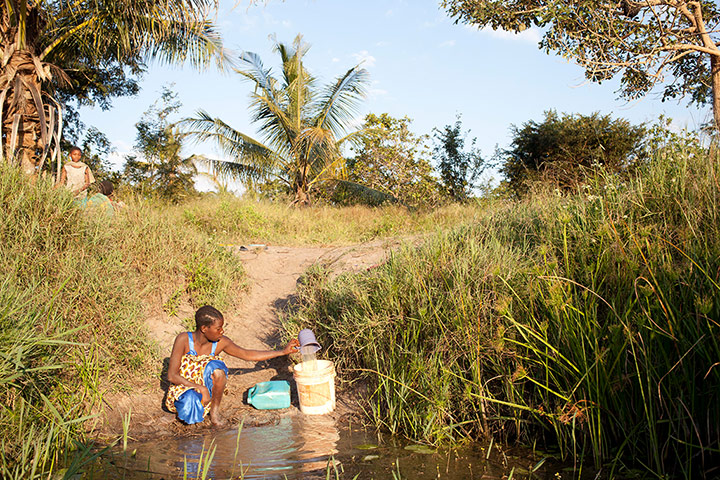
(270, 395)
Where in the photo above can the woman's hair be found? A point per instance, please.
(206, 316)
(106, 188)
(73, 149)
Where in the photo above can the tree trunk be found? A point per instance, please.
(20, 112)
(302, 198)
(715, 78)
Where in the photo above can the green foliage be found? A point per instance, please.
(73, 294)
(391, 164)
(96, 148)
(160, 172)
(88, 52)
(586, 321)
(302, 127)
(642, 41)
(459, 169)
(564, 150)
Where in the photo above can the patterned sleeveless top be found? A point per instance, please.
(192, 367)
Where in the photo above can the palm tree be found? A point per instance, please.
(302, 128)
(54, 50)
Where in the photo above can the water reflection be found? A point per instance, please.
(292, 445)
(284, 449)
(301, 447)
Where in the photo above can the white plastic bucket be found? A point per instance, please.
(316, 388)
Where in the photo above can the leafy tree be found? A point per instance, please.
(562, 149)
(160, 170)
(96, 148)
(89, 51)
(645, 40)
(459, 169)
(391, 164)
(301, 127)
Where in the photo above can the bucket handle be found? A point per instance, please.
(251, 392)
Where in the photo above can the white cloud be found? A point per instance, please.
(389, 13)
(382, 43)
(448, 43)
(363, 57)
(335, 60)
(286, 23)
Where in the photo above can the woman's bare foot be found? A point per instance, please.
(217, 419)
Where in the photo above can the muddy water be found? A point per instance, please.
(299, 446)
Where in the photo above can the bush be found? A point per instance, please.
(565, 150)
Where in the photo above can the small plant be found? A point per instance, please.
(126, 428)
(188, 323)
(204, 463)
(171, 305)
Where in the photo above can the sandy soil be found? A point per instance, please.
(273, 273)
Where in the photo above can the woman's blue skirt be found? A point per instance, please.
(189, 406)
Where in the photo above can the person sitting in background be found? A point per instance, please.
(76, 175)
(102, 200)
(197, 372)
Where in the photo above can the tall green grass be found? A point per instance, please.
(586, 321)
(75, 287)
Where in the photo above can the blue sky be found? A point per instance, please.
(421, 65)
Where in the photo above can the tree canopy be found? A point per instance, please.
(563, 149)
(668, 43)
(459, 167)
(301, 126)
(160, 170)
(89, 51)
(391, 164)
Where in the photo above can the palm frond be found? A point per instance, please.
(233, 169)
(248, 155)
(355, 139)
(252, 68)
(230, 141)
(320, 154)
(274, 124)
(364, 194)
(172, 31)
(340, 101)
(298, 81)
(199, 43)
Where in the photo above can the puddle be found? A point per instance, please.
(307, 447)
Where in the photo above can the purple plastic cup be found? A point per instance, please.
(307, 339)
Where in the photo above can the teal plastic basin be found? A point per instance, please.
(270, 395)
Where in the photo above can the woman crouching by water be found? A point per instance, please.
(197, 372)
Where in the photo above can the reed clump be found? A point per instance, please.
(75, 286)
(588, 322)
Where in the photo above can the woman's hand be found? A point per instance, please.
(203, 390)
(291, 347)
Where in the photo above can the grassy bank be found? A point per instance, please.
(586, 321)
(229, 219)
(76, 287)
(74, 291)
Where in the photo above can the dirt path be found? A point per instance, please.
(273, 273)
